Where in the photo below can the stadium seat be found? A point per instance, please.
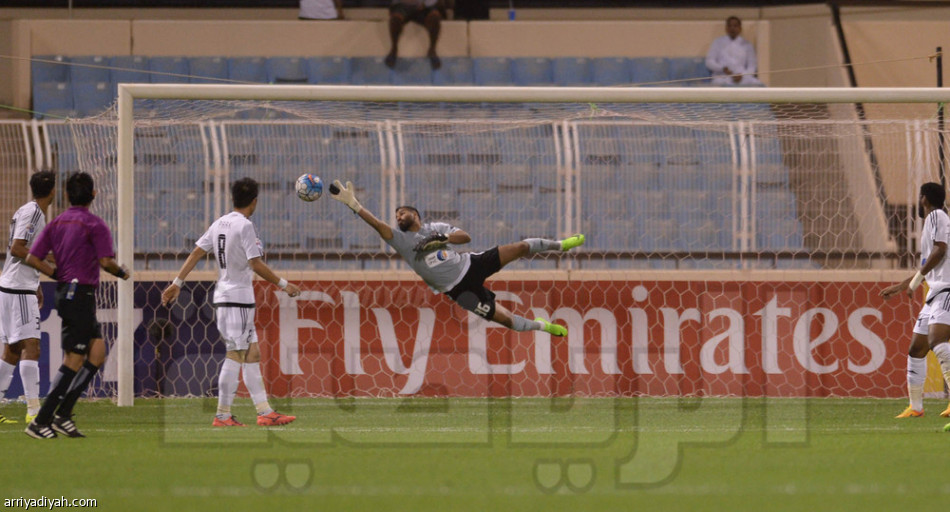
(129, 69)
(774, 205)
(492, 70)
(779, 235)
(700, 235)
(616, 235)
(768, 150)
(247, 69)
(91, 98)
(370, 71)
(689, 71)
(651, 203)
(52, 99)
(716, 146)
(658, 234)
(286, 70)
(571, 71)
(771, 174)
(323, 235)
(89, 69)
(513, 178)
(610, 71)
(651, 71)
(208, 70)
(682, 177)
(412, 71)
(640, 144)
(532, 71)
(718, 177)
(169, 70)
(328, 70)
(454, 71)
(49, 71)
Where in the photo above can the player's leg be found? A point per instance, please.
(433, 25)
(511, 252)
(254, 380)
(916, 375)
(62, 420)
(30, 375)
(232, 325)
(520, 323)
(11, 356)
(397, 20)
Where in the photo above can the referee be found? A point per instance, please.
(81, 243)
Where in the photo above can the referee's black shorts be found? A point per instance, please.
(471, 293)
(79, 317)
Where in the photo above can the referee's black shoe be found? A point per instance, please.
(39, 431)
(66, 426)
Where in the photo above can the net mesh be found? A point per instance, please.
(678, 202)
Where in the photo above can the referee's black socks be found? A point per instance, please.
(57, 394)
(76, 389)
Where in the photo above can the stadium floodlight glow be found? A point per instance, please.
(127, 93)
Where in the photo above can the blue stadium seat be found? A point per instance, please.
(370, 71)
(532, 71)
(571, 71)
(610, 71)
(91, 98)
(323, 235)
(129, 69)
(49, 71)
(691, 71)
(412, 71)
(53, 98)
(715, 146)
(454, 71)
(653, 71)
(718, 177)
(648, 203)
(616, 235)
(208, 70)
(700, 235)
(658, 234)
(247, 69)
(328, 70)
(774, 205)
(89, 69)
(492, 70)
(771, 174)
(784, 234)
(768, 150)
(683, 177)
(169, 70)
(286, 70)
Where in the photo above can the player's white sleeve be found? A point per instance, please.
(204, 242)
(23, 226)
(443, 228)
(942, 228)
(249, 242)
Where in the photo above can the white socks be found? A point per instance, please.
(30, 375)
(6, 376)
(255, 386)
(227, 386)
(916, 375)
(536, 245)
(520, 323)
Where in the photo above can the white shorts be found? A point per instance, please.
(937, 312)
(19, 317)
(236, 326)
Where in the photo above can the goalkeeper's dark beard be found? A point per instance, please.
(404, 225)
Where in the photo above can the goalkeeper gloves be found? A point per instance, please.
(345, 195)
(431, 242)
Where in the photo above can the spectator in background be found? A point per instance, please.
(321, 10)
(731, 58)
(428, 13)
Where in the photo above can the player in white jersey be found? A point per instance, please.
(461, 276)
(238, 253)
(932, 328)
(21, 296)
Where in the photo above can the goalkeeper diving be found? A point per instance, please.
(427, 248)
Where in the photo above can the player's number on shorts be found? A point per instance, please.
(222, 262)
(482, 309)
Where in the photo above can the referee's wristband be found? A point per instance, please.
(915, 282)
(177, 282)
(121, 274)
(282, 284)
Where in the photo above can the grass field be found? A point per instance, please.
(478, 454)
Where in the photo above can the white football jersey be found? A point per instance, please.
(936, 229)
(232, 241)
(27, 223)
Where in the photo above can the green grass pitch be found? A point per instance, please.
(481, 454)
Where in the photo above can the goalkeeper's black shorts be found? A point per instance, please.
(471, 293)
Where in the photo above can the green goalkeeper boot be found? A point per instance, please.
(571, 242)
(555, 329)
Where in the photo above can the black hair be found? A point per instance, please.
(79, 187)
(42, 183)
(243, 192)
(410, 208)
(934, 193)
(730, 18)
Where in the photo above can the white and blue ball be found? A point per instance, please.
(309, 187)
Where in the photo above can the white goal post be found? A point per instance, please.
(127, 93)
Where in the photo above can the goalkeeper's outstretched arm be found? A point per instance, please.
(345, 195)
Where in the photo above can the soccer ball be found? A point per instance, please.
(309, 187)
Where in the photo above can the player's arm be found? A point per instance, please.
(260, 268)
(459, 237)
(170, 293)
(345, 195)
(111, 266)
(910, 284)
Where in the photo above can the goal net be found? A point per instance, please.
(737, 239)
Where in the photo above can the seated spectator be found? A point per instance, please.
(321, 10)
(731, 59)
(428, 13)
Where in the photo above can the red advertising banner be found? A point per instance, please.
(626, 338)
